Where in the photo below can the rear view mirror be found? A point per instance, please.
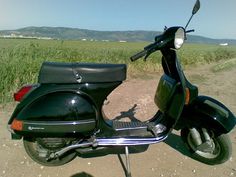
(196, 7)
(194, 11)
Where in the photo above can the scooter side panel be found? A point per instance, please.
(58, 113)
(78, 105)
(88, 90)
(208, 112)
(58, 106)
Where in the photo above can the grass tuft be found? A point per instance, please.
(225, 65)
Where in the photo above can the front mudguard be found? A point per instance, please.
(209, 113)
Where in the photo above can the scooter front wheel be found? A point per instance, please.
(216, 150)
(38, 153)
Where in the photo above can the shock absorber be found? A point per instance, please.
(206, 135)
(196, 136)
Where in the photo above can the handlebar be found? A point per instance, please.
(160, 41)
(146, 52)
(138, 55)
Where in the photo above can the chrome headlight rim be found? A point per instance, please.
(179, 38)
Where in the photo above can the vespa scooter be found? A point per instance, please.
(61, 116)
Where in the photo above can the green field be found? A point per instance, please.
(20, 59)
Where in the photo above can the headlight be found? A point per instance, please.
(179, 38)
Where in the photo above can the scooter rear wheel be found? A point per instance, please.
(35, 151)
(220, 152)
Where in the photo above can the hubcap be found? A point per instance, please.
(209, 149)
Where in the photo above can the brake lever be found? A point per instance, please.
(150, 49)
(146, 56)
(190, 31)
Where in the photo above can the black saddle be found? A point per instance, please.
(69, 73)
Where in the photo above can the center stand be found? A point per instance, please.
(128, 172)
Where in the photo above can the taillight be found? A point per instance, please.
(22, 92)
(17, 125)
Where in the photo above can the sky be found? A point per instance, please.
(215, 19)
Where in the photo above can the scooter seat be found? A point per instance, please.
(70, 73)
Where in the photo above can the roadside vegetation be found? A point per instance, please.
(20, 59)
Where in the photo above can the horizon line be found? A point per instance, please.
(141, 30)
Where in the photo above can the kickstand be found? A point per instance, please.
(128, 172)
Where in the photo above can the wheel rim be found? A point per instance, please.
(33, 149)
(215, 150)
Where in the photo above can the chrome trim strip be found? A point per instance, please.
(131, 128)
(58, 123)
(58, 126)
(109, 142)
(129, 141)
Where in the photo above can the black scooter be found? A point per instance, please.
(61, 116)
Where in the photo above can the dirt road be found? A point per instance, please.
(165, 159)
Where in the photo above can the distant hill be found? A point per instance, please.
(84, 34)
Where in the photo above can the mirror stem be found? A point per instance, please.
(188, 22)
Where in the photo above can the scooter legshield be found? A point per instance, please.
(208, 112)
(57, 114)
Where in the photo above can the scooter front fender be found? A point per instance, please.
(208, 112)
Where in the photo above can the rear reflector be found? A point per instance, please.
(22, 92)
(187, 97)
(17, 125)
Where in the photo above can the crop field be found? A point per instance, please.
(20, 59)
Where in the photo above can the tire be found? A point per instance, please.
(221, 148)
(32, 148)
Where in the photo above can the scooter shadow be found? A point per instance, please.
(82, 174)
(176, 143)
(130, 114)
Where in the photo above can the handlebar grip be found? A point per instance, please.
(190, 31)
(138, 55)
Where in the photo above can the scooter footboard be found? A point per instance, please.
(208, 112)
(56, 114)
